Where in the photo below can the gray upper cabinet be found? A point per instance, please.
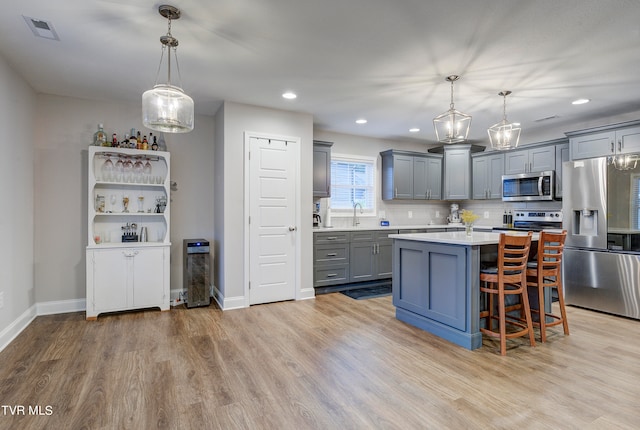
(604, 141)
(411, 175)
(457, 172)
(427, 178)
(487, 171)
(562, 155)
(536, 159)
(321, 168)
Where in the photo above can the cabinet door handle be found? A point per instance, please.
(377, 248)
(292, 228)
(620, 145)
(332, 238)
(331, 275)
(395, 192)
(613, 149)
(332, 254)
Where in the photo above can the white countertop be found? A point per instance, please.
(457, 237)
(396, 227)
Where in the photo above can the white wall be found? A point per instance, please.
(397, 211)
(238, 119)
(64, 130)
(17, 118)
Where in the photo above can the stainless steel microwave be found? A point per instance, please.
(524, 187)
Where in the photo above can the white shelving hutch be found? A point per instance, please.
(124, 275)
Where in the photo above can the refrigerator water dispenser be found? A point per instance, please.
(585, 222)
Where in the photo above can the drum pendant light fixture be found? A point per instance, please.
(452, 126)
(166, 107)
(504, 135)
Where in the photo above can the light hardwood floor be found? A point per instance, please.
(328, 363)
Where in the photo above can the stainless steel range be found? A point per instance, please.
(534, 220)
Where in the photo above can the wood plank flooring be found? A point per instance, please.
(328, 363)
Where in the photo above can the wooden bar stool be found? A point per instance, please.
(546, 272)
(508, 278)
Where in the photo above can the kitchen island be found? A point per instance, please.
(436, 284)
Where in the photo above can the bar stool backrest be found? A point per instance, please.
(550, 248)
(513, 252)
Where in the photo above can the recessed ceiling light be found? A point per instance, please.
(361, 121)
(414, 130)
(289, 95)
(580, 101)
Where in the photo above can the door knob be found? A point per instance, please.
(291, 228)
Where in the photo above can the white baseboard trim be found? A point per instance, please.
(61, 306)
(307, 293)
(15, 328)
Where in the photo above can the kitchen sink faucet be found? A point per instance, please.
(355, 216)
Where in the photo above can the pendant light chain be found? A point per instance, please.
(451, 105)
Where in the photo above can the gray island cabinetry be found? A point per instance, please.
(436, 284)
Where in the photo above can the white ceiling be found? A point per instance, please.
(382, 60)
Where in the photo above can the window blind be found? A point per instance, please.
(352, 181)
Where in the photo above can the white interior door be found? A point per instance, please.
(272, 220)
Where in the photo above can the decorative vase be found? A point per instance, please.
(468, 228)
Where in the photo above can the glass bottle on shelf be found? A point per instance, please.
(100, 137)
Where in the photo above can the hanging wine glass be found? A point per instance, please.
(147, 171)
(128, 170)
(138, 167)
(107, 170)
(119, 170)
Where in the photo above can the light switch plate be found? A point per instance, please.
(410, 214)
(486, 214)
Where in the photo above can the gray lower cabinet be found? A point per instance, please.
(370, 255)
(432, 281)
(347, 257)
(331, 258)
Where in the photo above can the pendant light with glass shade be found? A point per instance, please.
(504, 135)
(624, 162)
(166, 107)
(452, 126)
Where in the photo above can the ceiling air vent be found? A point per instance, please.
(41, 28)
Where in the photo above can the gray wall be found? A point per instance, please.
(17, 120)
(64, 130)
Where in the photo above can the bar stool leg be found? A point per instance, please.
(542, 312)
(527, 313)
(563, 312)
(502, 323)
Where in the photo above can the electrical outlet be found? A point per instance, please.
(410, 214)
(1, 299)
(486, 214)
(437, 214)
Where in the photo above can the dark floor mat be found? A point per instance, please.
(369, 292)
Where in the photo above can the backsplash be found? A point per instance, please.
(401, 213)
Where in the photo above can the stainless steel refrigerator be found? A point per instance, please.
(601, 208)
